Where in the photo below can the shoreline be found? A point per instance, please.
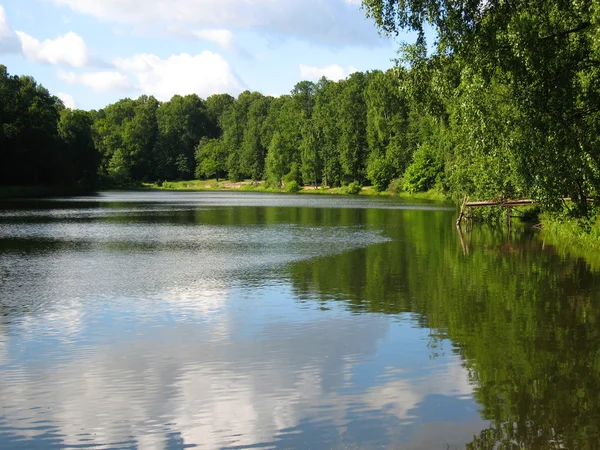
(38, 192)
(249, 186)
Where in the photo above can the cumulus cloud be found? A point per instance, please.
(67, 99)
(333, 72)
(9, 41)
(68, 49)
(100, 82)
(204, 74)
(224, 38)
(333, 22)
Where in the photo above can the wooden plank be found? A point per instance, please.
(500, 203)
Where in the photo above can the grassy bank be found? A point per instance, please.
(570, 237)
(260, 186)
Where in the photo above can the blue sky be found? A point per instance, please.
(93, 52)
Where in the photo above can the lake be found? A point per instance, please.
(167, 320)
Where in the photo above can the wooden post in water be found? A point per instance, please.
(462, 211)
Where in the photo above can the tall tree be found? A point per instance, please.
(326, 123)
(253, 149)
(216, 106)
(182, 122)
(140, 137)
(79, 157)
(352, 122)
(387, 127)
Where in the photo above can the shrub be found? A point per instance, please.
(292, 186)
(426, 170)
(396, 186)
(353, 188)
(380, 173)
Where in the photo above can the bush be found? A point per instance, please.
(396, 186)
(380, 173)
(293, 175)
(426, 170)
(353, 188)
(292, 186)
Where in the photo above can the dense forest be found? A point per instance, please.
(363, 129)
(505, 103)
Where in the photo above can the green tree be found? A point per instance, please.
(80, 159)
(283, 157)
(325, 121)
(387, 127)
(211, 160)
(182, 122)
(253, 148)
(139, 138)
(233, 123)
(107, 132)
(216, 106)
(352, 115)
(31, 152)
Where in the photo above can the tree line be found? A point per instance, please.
(361, 130)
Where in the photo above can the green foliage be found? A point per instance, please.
(292, 186)
(210, 159)
(517, 84)
(396, 186)
(181, 122)
(42, 143)
(352, 143)
(353, 188)
(253, 149)
(79, 157)
(574, 236)
(426, 170)
(380, 172)
(119, 169)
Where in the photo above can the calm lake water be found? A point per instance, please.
(162, 320)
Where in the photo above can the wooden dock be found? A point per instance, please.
(504, 203)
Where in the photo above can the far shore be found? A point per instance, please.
(260, 186)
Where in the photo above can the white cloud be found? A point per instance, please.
(333, 72)
(98, 81)
(67, 99)
(68, 49)
(9, 41)
(224, 38)
(334, 22)
(204, 74)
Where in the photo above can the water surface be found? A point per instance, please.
(241, 320)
